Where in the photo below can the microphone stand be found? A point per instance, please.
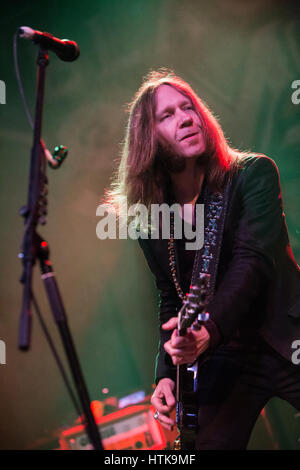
(33, 247)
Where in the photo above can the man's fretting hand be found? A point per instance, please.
(185, 349)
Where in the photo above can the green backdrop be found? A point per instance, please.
(241, 57)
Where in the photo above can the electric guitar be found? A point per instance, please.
(192, 313)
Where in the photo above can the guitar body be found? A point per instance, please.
(191, 314)
(187, 407)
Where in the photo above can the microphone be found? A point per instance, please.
(63, 48)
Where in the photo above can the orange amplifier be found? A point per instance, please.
(130, 428)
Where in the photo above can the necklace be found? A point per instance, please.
(172, 259)
(207, 259)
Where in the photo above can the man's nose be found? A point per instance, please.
(185, 119)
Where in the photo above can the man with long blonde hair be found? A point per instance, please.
(175, 152)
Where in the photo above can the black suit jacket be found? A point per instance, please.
(258, 280)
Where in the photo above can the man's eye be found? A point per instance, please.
(165, 116)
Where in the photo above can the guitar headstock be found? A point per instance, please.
(193, 309)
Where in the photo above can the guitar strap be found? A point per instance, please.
(206, 261)
(207, 258)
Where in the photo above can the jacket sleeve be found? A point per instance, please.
(168, 307)
(255, 238)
